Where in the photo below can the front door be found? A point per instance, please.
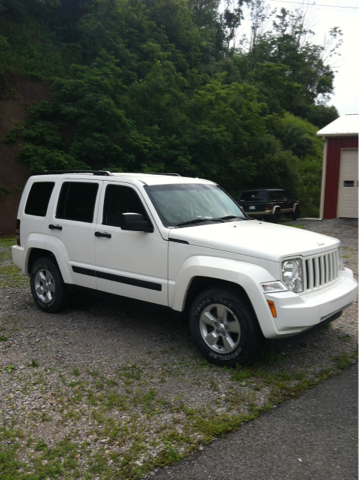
(130, 264)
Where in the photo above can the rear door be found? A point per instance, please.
(73, 223)
(128, 263)
(285, 203)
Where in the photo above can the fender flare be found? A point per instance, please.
(246, 275)
(53, 245)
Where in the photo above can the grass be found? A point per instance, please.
(5, 246)
(301, 227)
(119, 444)
(10, 275)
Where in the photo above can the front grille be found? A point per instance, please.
(320, 270)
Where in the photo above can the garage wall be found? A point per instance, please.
(331, 192)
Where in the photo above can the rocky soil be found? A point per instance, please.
(17, 94)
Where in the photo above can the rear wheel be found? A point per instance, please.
(223, 328)
(296, 213)
(275, 218)
(47, 286)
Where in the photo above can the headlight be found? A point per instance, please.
(292, 274)
(273, 287)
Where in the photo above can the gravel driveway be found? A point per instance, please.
(110, 390)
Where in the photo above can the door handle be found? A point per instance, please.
(103, 234)
(55, 227)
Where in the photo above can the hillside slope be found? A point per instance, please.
(17, 93)
(155, 86)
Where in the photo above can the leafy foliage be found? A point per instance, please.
(285, 59)
(155, 86)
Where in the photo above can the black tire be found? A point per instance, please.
(296, 213)
(223, 328)
(275, 218)
(47, 286)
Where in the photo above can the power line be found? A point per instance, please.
(315, 4)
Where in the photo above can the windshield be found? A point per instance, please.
(184, 204)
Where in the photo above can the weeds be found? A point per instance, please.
(344, 360)
(12, 277)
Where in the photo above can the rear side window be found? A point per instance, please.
(274, 196)
(253, 196)
(38, 199)
(77, 201)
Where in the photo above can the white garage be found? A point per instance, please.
(340, 168)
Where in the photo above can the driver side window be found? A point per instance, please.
(119, 200)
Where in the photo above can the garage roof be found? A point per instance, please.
(347, 125)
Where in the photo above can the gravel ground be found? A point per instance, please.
(111, 390)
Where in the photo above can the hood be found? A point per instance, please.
(256, 239)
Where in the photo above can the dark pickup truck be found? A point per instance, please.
(269, 203)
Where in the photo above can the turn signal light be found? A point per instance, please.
(272, 308)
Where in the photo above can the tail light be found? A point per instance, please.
(267, 207)
(18, 232)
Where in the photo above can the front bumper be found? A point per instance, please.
(298, 313)
(287, 339)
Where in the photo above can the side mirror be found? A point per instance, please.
(135, 223)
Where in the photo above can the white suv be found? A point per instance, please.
(182, 243)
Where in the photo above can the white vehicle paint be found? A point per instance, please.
(191, 250)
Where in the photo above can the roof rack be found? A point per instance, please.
(59, 172)
(163, 173)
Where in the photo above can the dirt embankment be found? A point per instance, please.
(16, 95)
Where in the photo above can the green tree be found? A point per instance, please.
(89, 126)
(156, 86)
(305, 79)
(274, 81)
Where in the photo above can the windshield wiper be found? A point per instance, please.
(197, 220)
(231, 217)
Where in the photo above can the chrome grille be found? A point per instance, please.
(320, 270)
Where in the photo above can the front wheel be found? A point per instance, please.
(47, 286)
(223, 328)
